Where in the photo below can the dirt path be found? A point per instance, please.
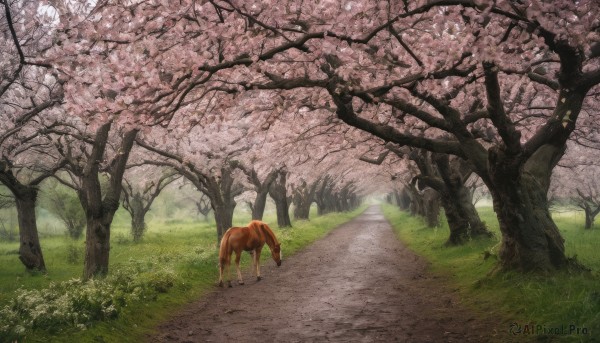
(358, 284)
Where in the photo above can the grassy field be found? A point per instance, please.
(176, 257)
(546, 302)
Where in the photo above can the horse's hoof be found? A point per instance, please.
(229, 284)
(240, 283)
(221, 284)
(258, 278)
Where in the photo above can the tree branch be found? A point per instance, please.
(346, 113)
(506, 129)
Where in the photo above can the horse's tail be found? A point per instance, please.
(223, 249)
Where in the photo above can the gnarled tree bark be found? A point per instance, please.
(302, 198)
(261, 188)
(25, 195)
(100, 204)
(278, 191)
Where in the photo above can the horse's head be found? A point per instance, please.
(276, 254)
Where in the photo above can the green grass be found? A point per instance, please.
(550, 301)
(184, 245)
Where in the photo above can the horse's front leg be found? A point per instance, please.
(257, 263)
(237, 265)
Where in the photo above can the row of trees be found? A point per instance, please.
(149, 172)
(492, 88)
(468, 79)
(95, 155)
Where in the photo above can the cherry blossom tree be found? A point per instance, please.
(447, 176)
(22, 171)
(121, 73)
(96, 163)
(303, 196)
(261, 187)
(208, 162)
(576, 180)
(27, 90)
(589, 200)
(279, 193)
(141, 187)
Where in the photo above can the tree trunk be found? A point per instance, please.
(260, 202)
(416, 205)
(326, 203)
(261, 188)
(463, 220)
(97, 246)
(135, 207)
(223, 218)
(457, 223)
(344, 203)
(404, 199)
(301, 211)
(321, 209)
(74, 227)
(283, 216)
(447, 177)
(278, 192)
(224, 191)
(590, 216)
(302, 198)
(589, 221)
(323, 195)
(99, 220)
(30, 251)
(431, 207)
(476, 226)
(302, 203)
(138, 225)
(100, 204)
(531, 240)
(203, 206)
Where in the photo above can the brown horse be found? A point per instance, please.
(251, 238)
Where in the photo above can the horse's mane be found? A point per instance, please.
(264, 228)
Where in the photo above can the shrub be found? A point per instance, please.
(78, 304)
(64, 203)
(74, 254)
(161, 281)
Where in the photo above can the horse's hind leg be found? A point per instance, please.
(237, 265)
(228, 269)
(228, 273)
